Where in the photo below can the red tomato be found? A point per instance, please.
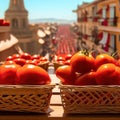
(86, 79)
(31, 62)
(82, 63)
(65, 74)
(9, 58)
(20, 61)
(43, 59)
(60, 62)
(118, 62)
(37, 61)
(32, 75)
(6, 23)
(8, 74)
(35, 56)
(26, 56)
(102, 59)
(16, 56)
(67, 62)
(108, 74)
(68, 56)
(9, 62)
(60, 58)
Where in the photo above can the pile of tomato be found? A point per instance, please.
(4, 22)
(23, 69)
(84, 69)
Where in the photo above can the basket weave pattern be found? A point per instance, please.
(90, 99)
(56, 65)
(44, 65)
(25, 99)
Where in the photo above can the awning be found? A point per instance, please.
(47, 32)
(104, 38)
(6, 44)
(41, 34)
(106, 48)
(105, 41)
(41, 41)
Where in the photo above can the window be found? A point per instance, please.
(94, 11)
(104, 12)
(119, 4)
(113, 43)
(112, 12)
(15, 23)
(24, 23)
(113, 19)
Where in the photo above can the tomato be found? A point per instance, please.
(60, 58)
(86, 79)
(82, 63)
(68, 56)
(34, 62)
(16, 56)
(67, 62)
(65, 74)
(37, 61)
(6, 23)
(9, 58)
(20, 61)
(108, 74)
(9, 62)
(26, 56)
(8, 74)
(43, 59)
(35, 56)
(118, 62)
(32, 75)
(102, 59)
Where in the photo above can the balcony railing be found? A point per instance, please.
(112, 21)
(108, 21)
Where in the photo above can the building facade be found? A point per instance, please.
(19, 26)
(99, 25)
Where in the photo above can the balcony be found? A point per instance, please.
(108, 21)
(112, 21)
(109, 29)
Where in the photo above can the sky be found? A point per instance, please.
(61, 9)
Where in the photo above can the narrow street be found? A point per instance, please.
(66, 40)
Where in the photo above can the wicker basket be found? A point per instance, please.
(56, 65)
(90, 99)
(44, 65)
(25, 98)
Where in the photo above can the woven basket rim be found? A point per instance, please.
(57, 63)
(45, 62)
(27, 86)
(88, 86)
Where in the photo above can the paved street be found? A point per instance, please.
(66, 40)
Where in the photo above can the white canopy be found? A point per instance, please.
(47, 32)
(104, 39)
(41, 34)
(5, 44)
(41, 41)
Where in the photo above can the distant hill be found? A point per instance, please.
(51, 20)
